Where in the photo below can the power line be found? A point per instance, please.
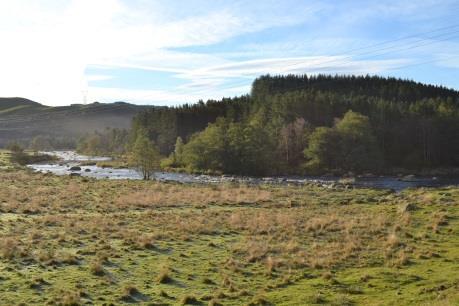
(395, 68)
(397, 48)
(450, 30)
(426, 62)
(348, 59)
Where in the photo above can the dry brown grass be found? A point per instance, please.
(439, 219)
(164, 276)
(274, 234)
(76, 194)
(171, 195)
(10, 248)
(70, 299)
(97, 268)
(393, 241)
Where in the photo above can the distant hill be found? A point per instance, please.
(19, 106)
(22, 119)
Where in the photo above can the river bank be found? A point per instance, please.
(71, 163)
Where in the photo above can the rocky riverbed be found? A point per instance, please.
(71, 163)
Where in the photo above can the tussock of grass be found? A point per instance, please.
(259, 300)
(164, 276)
(189, 300)
(214, 302)
(97, 268)
(70, 299)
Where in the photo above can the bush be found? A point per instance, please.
(22, 158)
(349, 146)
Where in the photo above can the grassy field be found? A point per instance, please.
(5, 160)
(71, 241)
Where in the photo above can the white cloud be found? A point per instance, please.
(46, 47)
(98, 77)
(231, 79)
(250, 69)
(448, 60)
(160, 97)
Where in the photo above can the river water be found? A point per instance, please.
(69, 159)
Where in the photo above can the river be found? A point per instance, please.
(69, 159)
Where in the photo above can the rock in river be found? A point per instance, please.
(75, 168)
(409, 178)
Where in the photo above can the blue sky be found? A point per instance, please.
(173, 52)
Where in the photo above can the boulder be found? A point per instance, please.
(75, 174)
(347, 181)
(75, 168)
(409, 178)
(87, 170)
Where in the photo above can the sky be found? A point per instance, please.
(174, 52)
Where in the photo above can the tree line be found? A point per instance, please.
(292, 125)
(302, 124)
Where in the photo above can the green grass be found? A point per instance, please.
(19, 163)
(13, 109)
(117, 164)
(75, 240)
(5, 162)
(3, 157)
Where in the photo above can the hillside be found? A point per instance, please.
(22, 119)
(19, 106)
(291, 121)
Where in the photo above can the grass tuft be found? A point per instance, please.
(164, 276)
(97, 268)
(189, 300)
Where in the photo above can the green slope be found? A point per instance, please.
(22, 119)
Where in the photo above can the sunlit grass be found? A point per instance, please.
(76, 240)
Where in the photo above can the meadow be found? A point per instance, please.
(74, 240)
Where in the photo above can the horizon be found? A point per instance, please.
(151, 53)
(194, 102)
